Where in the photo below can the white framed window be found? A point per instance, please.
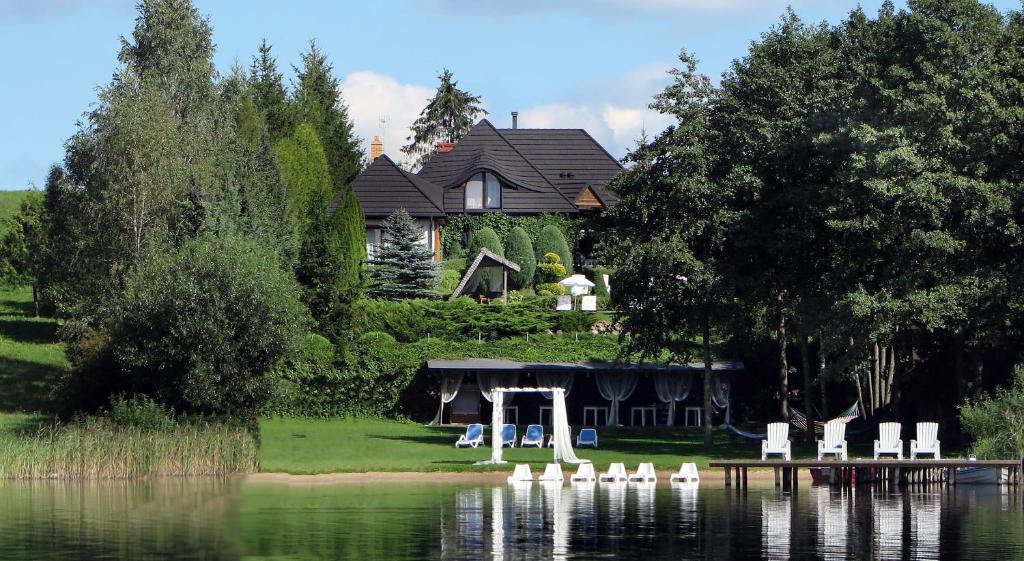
(645, 414)
(595, 416)
(512, 415)
(493, 191)
(374, 237)
(475, 192)
(483, 191)
(545, 415)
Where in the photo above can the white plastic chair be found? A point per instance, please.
(552, 472)
(520, 474)
(927, 441)
(834, 443)
(889, 442)
(778, 442)
(584, 474)
(534, 437)
(564, 304)
(644, 474)
(687, 474)
(616, 473)
(551, 439)
(474, 436)
(588, 303)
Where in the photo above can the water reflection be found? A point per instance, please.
(231, 520)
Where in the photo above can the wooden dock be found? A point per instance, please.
(849, 472)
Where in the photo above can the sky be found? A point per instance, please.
(592, 64)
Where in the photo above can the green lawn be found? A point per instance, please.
(32, 359)
(9, 203)
(307, 446)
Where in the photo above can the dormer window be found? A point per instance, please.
(483, 190)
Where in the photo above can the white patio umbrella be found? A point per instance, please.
(578, 284)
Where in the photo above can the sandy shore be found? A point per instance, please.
(714, 476)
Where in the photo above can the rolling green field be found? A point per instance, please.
(9, 202)
(32, 359)
(310, 446)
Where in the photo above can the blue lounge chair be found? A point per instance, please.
(534, 436)
(587, 437)
(508, 435)
(474, 436)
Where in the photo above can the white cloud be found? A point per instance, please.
(372, 97)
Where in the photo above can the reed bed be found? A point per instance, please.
(97, 449)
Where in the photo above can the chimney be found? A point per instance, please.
(376, 148)
(443, 147)
(515, 119)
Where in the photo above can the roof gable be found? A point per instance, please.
(484, 148)
(383, 187)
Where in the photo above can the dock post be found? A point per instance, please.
(778, 483)
(728, 477)
(796, 479)
(744, 478)
(952, 476)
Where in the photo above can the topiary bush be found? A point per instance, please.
(449, 282)
(550, 269)
(520, 251)
(550, 289)
(552, 240)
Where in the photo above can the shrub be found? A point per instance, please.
(141, 412)
(202, 329)
(484, 237)
(520, 251)
(575, 321)
(996, 422)
(458, 228)
(552, 240)
(550, 289)
(449, 282)
(550, 269)
(460, 319)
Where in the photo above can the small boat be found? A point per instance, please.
(980, 475)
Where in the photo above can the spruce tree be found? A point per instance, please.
(268, 93)
(317, 101)
(447, 117)
(404, 267)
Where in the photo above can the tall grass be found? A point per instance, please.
(98, 449)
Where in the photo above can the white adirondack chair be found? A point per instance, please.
(520, 473)
(644, 474)
(584, 474)
(615, 474)
(552, 472)
(834, 443)
(563, 304)
(889, 441)
(778, 442)
(687, 474)
(927, 441)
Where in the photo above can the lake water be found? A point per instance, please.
(229, 519)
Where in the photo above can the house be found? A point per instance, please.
(515, 171)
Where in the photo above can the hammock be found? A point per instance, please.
(799, 420)
(744, 434)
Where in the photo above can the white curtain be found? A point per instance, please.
(555, 380)
(450, 384)
(490, 380)
(560, 422)
(720, 391)
(672, 388)
(615, 387)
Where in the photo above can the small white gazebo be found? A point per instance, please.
(560, 425)
(578, 285)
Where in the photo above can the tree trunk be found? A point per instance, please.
(877, 381)
(35, 299)
(805, 358)
(706, 343)
(822, 383)
(783, 365)
(891, 376)
(860, 396)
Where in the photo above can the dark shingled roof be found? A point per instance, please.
(543, 170)
(568, 158)
(383, 187)
(500, 365)
(484, 148)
